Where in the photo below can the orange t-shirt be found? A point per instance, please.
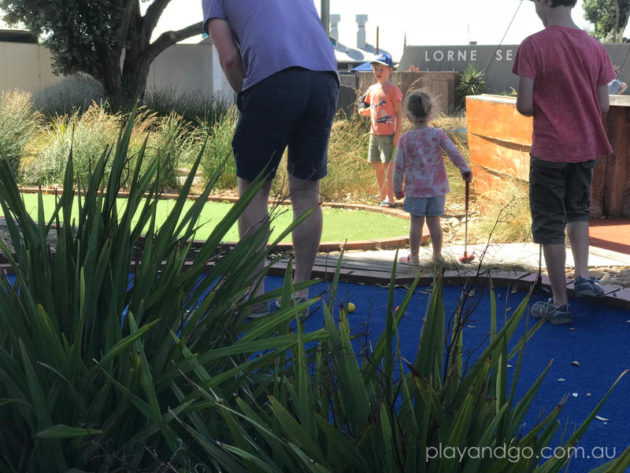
(383, 100)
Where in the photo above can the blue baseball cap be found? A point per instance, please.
(383, 58)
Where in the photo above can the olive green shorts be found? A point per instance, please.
(381, 149)
(559, 193)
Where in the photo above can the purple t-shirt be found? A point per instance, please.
(274, 35)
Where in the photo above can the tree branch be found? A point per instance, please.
(169, 38)
(153, 14)
(129, 8)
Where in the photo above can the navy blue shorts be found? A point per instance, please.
(293, 108)
(559, 193)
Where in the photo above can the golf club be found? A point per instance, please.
(466, 258)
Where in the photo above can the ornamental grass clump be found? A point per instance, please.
(87, 133)
(218, 154)
(17, 127)
(105, 327)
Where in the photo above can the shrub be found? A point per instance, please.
(97, 353)
(73, 94)
(192, 107)
(511, 204)
(17, 126)
(170, 145)
(89, 135)
(350, 176)
(471, 82)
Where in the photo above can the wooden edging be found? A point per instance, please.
(518, 280)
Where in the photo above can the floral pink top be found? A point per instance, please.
(419, 159)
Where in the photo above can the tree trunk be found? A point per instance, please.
(134, 80)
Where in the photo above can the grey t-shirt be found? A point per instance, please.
(274, 35)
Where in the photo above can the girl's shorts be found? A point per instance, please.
(425, 206)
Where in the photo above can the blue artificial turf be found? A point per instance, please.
(598, 339)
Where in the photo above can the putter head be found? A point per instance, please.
(540, 289)
(467, 258)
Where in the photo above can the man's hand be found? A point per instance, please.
(399, 194)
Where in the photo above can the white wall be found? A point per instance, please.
(25, 66)
(182, 68)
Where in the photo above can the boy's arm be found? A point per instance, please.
(397, 133)
(364, 105)
(399, 172)
(525, 99)
(603, 98)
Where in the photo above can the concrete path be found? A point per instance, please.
(523, 255)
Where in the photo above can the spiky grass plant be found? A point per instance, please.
(339, 412)
(104, 328)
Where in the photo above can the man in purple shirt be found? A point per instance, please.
(278, 59)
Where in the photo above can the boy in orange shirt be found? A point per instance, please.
(383, 103)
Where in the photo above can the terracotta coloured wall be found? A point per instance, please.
(499, 140)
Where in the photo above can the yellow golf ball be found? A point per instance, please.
(351, 307)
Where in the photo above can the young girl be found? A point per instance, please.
(420, 161)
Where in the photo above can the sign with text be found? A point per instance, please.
(497, 61)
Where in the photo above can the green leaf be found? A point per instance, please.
(61, 431)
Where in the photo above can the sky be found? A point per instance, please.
(424, 22)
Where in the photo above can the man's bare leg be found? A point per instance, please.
(255, 215)
(306, 236)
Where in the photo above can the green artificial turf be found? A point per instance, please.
(339, 224)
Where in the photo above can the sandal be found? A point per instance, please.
(412, 260)
(387, 204)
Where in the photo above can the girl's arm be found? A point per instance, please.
(399, 172)
(455, 156)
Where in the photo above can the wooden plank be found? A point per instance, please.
(620, 143)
